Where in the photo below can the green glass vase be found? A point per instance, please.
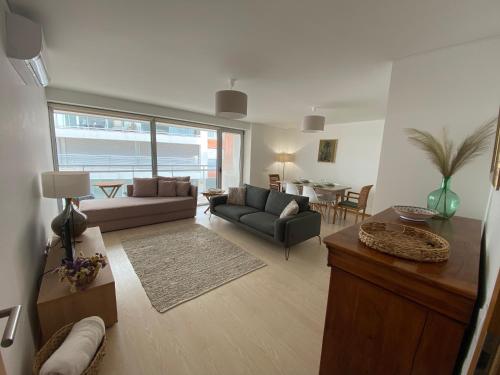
(444, 200)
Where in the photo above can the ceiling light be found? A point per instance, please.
(313, 123)
(231, 103)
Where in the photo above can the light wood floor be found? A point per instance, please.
(267, 322)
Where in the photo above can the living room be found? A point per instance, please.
(232, 164)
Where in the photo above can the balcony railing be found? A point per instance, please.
(123, 160)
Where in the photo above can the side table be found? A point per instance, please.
(113, 187)
(209, 195)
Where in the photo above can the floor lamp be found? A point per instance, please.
(284, 158)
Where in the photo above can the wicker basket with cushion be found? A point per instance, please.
(55, 342)
(404, 241)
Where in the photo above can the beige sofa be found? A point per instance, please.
(127, 212)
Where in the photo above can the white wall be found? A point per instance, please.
(357, 160)
(492, 266)
(25, 151)
(457, 87)
(266, 142)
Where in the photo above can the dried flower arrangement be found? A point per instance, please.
(81, 271)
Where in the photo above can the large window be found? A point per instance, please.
(110, 148)
(187, 151)
(118, 147)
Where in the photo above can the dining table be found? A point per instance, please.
(329, 189)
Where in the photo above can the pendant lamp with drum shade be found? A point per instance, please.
(313, 123)
(230, 103)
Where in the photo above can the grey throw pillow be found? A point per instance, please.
(291, 209)
(145, 187)
(236, 196)
(182, 188)
(167, 188)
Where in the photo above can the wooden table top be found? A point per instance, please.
(320, 187)
(212, 193)
(89, 243)
(459, 275)
(109, 183)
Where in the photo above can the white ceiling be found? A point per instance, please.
(288, 55)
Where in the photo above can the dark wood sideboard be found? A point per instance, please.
(387, 315)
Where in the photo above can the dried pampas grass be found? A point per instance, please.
(440, 151)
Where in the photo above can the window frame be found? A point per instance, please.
(153, 120)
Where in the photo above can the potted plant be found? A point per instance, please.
(449, 160)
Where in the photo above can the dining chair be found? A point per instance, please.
(315, 202)
(355, 203)
(292, 188)
(274, 182)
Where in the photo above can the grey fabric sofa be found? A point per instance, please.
(260, 215)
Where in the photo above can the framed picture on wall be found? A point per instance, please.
(495, 162)
(327, 150)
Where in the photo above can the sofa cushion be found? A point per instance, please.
(348, 204)
(98, 210)
(256, 197)
(167, 188)
(276, 202)
(145, 187)
(182, 178)
(291, 209)
(261, 221)
(236, 196)
(130, 190)
(182, 188)
(233, 211)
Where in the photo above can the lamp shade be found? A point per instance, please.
(284, 157)
(65, 184)
(313, 124)
(230, 104)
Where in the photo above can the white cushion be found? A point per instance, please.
(77, 351)
(291, 209)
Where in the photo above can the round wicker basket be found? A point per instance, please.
(404, 241)
(55, 342)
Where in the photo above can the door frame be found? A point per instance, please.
(220, 133)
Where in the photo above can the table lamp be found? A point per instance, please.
(284, 158)
(67, 185)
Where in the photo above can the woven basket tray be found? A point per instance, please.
(404, 241)
(55, 342)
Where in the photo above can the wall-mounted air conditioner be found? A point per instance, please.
(24, 49)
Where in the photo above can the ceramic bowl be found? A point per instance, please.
(414, 213)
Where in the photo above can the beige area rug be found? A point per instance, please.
(182, 263)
